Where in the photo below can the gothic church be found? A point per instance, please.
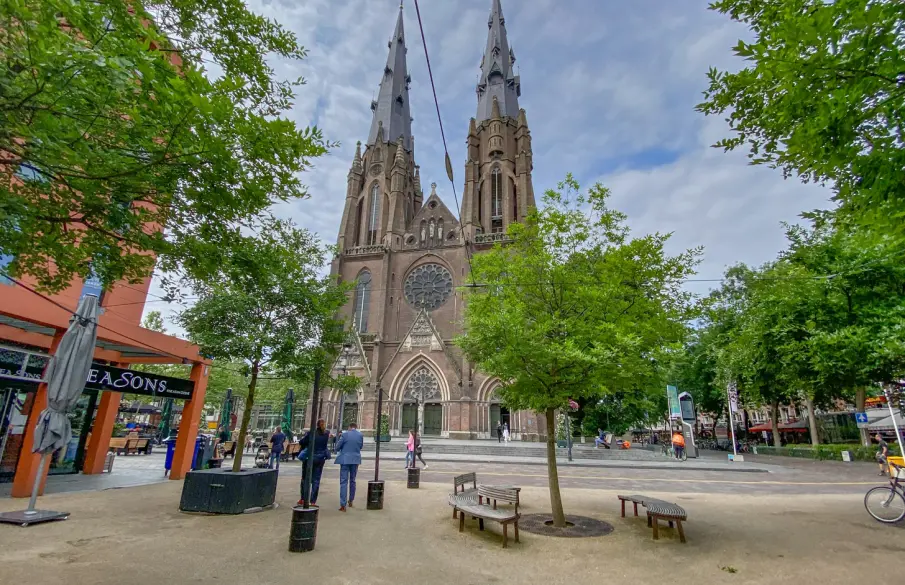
(407, 255)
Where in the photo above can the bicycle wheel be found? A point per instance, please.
(885, 504)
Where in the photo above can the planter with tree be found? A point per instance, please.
(262, 308)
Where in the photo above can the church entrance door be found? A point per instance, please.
(433, 419)
(409, 414)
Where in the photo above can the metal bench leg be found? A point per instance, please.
(623, 508)
(656, 526)
(505, 535)
(461, 521)
(636, 508)
(454, 513)
(681, 531)
(649, 521)
(516, 531)
(480, 523)
(670, 524)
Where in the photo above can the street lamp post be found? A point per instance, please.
(344, 363)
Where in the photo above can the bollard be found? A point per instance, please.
(303, 531)
(414, 478)
(375, 495)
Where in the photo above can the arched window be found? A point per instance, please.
(362, 301)
(480, 204)
(496, 200)
(373, 215)
(514, 203)
(359, 216)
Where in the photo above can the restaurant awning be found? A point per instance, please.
(798, 426)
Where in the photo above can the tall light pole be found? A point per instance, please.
(344, 363)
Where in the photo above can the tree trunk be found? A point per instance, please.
(860, 400)
(246, 418)
(774, 413)
(559, 517)
(812, 419)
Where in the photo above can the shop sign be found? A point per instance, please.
(102, 377)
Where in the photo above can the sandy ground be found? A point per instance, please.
(136, 535)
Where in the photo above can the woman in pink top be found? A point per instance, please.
(410, 450)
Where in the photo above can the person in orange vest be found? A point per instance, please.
(678, 443)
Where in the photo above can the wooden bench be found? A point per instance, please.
(657, 510)
(141, 446)
(461, 495)
(482, 511)
(290, 451)
(118, 445)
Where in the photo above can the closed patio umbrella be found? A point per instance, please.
(66, 376)
(286, 420)
(225, 413)
(166, 419)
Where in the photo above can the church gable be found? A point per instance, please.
(433, 226)
(422, 335)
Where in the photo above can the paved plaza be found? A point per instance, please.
(798, 523)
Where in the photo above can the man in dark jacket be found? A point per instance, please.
(320, 451)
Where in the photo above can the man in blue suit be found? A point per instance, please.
(348, 457)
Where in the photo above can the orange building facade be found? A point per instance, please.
(31, 326)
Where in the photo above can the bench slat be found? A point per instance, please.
(501, 494)
(465, 478)
(488, 513)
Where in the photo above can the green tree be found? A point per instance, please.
(822, 97)
(572, 307)
(118, 118)
(268, 308)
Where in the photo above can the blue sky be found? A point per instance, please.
(609, 88)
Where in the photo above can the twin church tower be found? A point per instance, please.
(408, 256)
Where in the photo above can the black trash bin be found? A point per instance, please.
(414, 478)
(303, 531)
(375, 495)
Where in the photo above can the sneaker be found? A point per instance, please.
(342, 508)
(350, 504)
(300, 503)
(425, 466)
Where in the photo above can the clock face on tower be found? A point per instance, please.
(428, 286)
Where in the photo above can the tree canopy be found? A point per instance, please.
(822, 97)
(269, 308)
(573, 307)
(131, 131)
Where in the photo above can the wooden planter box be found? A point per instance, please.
(220, 491)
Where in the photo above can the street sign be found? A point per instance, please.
(862, 420)
(672, 397)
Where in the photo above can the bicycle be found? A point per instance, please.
(887, 503)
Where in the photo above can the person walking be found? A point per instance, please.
(678, 443)
(418, 451)
(499, 432)
(320, 453)
(410, 450)
(882, 454)
(276, 448)
(348, 458)
(506, 438)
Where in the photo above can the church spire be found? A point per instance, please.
(391, 108)
(498, 80)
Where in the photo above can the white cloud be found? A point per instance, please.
(609, 89)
